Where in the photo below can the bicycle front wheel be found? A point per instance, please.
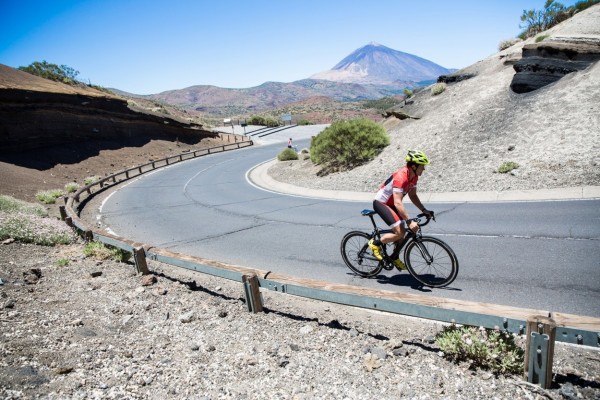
(431, 261)
(357, 255)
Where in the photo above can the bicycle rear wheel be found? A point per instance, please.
(357, 255)
(431, 261)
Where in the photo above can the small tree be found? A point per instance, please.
(264, 121)
(536, 21)
(505, 44)
(347, 144)
(53, 72)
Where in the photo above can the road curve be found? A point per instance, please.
(541, 255)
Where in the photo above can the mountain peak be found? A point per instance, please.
(378, 64)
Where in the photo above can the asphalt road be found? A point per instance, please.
(541, 255)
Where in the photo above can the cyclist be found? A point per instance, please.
(388, 204)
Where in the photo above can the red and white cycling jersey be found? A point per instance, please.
(399, 181)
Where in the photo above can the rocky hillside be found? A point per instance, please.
(36, 112)
(51, 133)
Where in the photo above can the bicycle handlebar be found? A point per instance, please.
(418, 218)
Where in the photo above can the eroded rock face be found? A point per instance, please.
(547, 62)
(30, 119)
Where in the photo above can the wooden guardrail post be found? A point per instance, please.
(539, 351)
(63, 213)
(253, 296)
(139, 256)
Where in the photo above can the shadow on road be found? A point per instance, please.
(408, 281)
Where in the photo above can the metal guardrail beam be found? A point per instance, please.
(399, 307)
(505, 318)
(150, 166)
(178, 261)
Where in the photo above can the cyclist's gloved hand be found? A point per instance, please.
(428, 213)
(413, 226)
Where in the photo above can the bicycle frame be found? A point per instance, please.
(429, 260)
(377, 232)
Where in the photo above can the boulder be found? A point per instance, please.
(398, 114)
(454, 78)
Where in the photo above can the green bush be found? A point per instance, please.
(28, 228)
(63, 262)
(287, 154)
(507, 167)
(49, 196)
(438, 88)
(304, 122)
(71, 187)
(264, 121)
(347, 144)
(27, 223)
(90, 179)
(505, 44)
(482, 348)
(541, 38)
(103, 251)
(11, 205)
(102, 89)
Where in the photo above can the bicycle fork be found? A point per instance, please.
(424, 252)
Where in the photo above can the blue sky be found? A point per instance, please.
(147, 46)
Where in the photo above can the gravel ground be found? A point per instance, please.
(96, 330)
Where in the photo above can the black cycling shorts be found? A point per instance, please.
(388, 214)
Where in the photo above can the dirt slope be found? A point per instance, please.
(52, 133)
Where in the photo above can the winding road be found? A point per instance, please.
(542, 255)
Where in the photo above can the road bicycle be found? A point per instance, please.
(429, 260)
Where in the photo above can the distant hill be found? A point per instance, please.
(379, 65)
(227, 102)
(371, 72)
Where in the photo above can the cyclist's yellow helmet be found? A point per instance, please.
(417, 157)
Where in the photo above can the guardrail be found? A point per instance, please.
(569, 328)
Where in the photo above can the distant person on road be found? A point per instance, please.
(290, 143)
(388, 203)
